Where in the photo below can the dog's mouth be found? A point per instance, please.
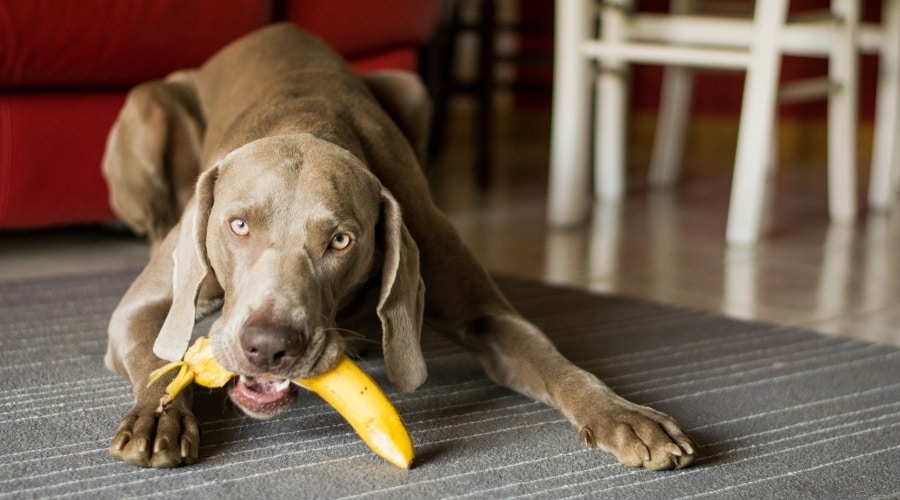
(263, 397)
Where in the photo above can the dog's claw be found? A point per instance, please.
(673, 449)
(161, 444)
(642, 452)
(587, 437)
(688, 447)
(128, 450)
(188, 448)
(118, 444)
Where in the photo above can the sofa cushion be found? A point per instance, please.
(50, 150)
(47, 42)
(386, 24)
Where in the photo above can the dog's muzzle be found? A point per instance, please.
(274, 353)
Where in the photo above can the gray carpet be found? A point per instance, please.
(777, 412)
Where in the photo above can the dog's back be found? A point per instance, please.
(276, 81)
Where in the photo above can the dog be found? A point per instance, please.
(285, 191)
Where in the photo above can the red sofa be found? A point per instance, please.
(65, 66)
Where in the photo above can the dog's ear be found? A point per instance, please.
(402, 301)
(190, 270)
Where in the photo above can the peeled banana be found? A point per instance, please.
(347, 388)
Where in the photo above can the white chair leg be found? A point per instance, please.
(754, 134)
(843, 69)
(772, 165)
(609, 162)
(568, 197)
(612, 99)
(673, 117)
(886, 146)
(671, 126)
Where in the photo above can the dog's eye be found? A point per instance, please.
(340, 241)
(240, 227)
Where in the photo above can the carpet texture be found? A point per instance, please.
(777, 412)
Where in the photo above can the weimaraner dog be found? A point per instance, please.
(281, 188)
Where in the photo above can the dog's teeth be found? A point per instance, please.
(245, 380)
(284, 384)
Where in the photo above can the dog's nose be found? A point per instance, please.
(271, 348)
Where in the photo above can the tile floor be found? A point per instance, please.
(666, 246)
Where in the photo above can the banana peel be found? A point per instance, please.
(198, 365)
(346, 387)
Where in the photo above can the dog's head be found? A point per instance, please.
(290, 228)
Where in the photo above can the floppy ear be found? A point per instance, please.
(190, 269)
(402, 301)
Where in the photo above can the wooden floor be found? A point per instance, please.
(667, 246)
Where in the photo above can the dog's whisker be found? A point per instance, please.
(357, 338)
(351, 334)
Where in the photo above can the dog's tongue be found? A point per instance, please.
(262, 390)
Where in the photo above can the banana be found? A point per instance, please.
(346, 387)
(358, 399)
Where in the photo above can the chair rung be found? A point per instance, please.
(804, 90)
(870, 38)
(803, 36)
(681, 29)
(667, 54)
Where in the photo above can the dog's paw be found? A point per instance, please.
(149, 439)
(638, 436)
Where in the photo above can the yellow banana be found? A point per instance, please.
(346, 387)
(357, 397)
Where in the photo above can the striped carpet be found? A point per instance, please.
(777, 412)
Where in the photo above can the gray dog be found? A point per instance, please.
(278, 186)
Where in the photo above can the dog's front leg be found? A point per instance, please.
(146, 437)
(517, 354)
